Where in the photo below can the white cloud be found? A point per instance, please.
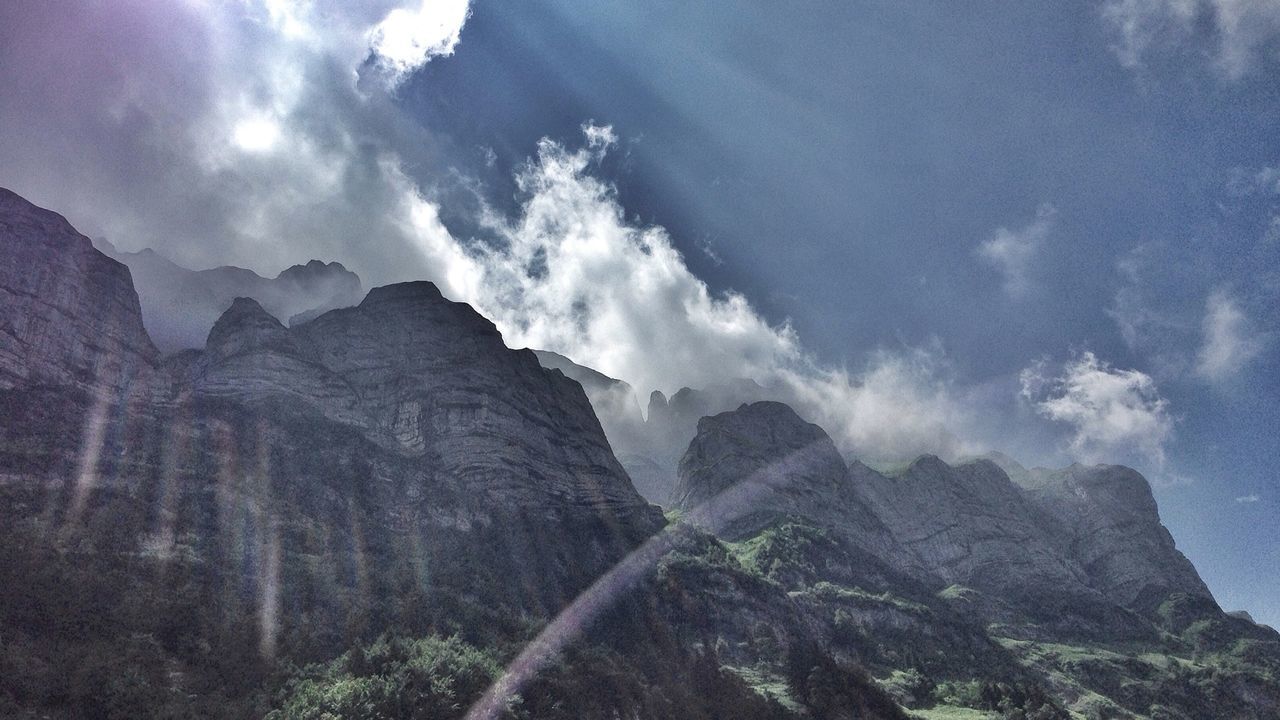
(256, 133)
(1150, 321)
(1245, 499)
(407, 38)
(1243, 30)
(1113, 413)
(1229, 342)
(1013, 252)
(573, 276)
(1244, 181)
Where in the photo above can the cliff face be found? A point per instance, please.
(282, 491)
(1115, 533)
(68, 314)
(428, 379)
(1075, 551)
(761, 463)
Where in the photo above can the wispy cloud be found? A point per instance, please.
(1013, 252)
(1113, 413)
(1248, 499)
(1229, 340)
(1240, 31)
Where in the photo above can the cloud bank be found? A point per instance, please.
(572, 275)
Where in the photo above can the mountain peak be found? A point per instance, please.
(244, 325)
(417, 290)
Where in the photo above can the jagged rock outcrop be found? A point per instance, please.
(68, 314)
(760, 464)
(425, 378)
(1115, 533)
(969, 525)
(179, 306)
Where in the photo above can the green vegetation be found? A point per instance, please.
(429, 678)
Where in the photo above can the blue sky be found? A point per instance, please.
(840, 164)
(1052, 229)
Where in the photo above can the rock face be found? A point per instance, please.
(1114, 530)
(68, 314)
(179, 305)
(427, 378)
(967, 525)
(392, 464)
(760, 464)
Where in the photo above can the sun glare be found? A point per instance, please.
(256, 134)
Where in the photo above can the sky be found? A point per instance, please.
(1051, 229)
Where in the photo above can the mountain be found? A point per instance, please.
(1111, 521)
(384, 512)
(1065, 581)
(650, 446)
(179, 305)
(68, 314)
(371, 511)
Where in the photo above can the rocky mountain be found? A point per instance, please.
(1075, 557)
(284, 495)
(179, 305)
(1111, 522)
(650, 445)
(384, 512)
(68, 314)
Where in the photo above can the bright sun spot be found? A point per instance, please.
(256, 134)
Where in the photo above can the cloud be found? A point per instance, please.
(1150, 318)
(1012, 252)
(1113, 413)
(1247, 499)
(1240, 31)
(572, 275)
(407, 38)
(1245, 181)
(254, 133)
(1229, 342)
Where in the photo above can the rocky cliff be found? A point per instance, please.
(1115, 534)
(68, 314)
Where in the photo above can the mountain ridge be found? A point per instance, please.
(382, 506)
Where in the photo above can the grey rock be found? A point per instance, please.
(1115, 533)
(651, 480)
(68, 314)
(426, 378)
(762, 463)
